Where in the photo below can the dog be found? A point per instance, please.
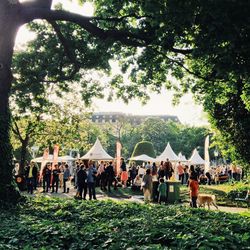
(208, 199)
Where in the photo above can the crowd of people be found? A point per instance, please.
(147, 177)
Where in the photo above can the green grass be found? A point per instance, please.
(50, 223)
(221, 192)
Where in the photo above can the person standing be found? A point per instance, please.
(101, 173)
(161, 171)
(46, 178)
(35, 173)
(91, 177)
(180, 171)
(82, 182)
(124, 173)
(30, 175)
(155, 184)
(169, 169)
(55, 178)
(66, 176)
(162, 189)
(110, 174)
(147, 185)
(194, 189)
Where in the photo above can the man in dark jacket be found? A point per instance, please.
(81, 182)
(110, 175)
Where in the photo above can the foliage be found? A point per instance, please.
(181, 137)
(144, 147)
(45, 223)
(196, 42)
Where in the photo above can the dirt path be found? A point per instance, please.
(133, 198)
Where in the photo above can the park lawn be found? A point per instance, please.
(54, 223)
(222, 192)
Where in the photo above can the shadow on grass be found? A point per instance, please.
(120, 193)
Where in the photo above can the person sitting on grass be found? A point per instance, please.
(147, 186)
(194, 189)
(162, 189)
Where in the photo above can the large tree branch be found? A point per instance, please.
(17, 132)
(68, 52)
(127, 38)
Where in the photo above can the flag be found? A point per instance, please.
(55, 155)
(206, 153)
(118, 156)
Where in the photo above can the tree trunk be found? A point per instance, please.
(23, 155)
(8, 28)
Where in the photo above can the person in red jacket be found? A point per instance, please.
(194, 190)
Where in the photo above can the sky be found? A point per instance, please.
(159, 104)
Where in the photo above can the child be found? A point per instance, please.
(194, 188)
(162, 189)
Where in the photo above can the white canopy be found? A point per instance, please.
(168, 153)
(65, 158)
(182, 158)
(196, 159)
(97, 153)
(142, 157)
(41, 159)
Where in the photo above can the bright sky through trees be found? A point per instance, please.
(159, 104)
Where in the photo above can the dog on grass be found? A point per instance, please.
(208, 199)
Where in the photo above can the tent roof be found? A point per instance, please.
(168, 153)
(41, 159)
(64, 158)
(142, 157)
(196, 159)
(182, 157)
(97, 153)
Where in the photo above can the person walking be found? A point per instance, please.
(91, 177)
(147, 186)
(66, 176)
(82, 182)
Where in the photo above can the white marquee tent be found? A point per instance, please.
(97, 153)
(196, 159)
(168, 153)
(65, 158)
(182, 158)
(142, 157)
(41, 159)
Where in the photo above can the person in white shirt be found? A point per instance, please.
(141, 171)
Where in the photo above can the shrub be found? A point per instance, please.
(45, 223)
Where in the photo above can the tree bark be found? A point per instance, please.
(23, 155)
(8, 29)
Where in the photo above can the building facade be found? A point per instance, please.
(114, 117)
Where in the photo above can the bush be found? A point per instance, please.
(144, 147)
(45, 223)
